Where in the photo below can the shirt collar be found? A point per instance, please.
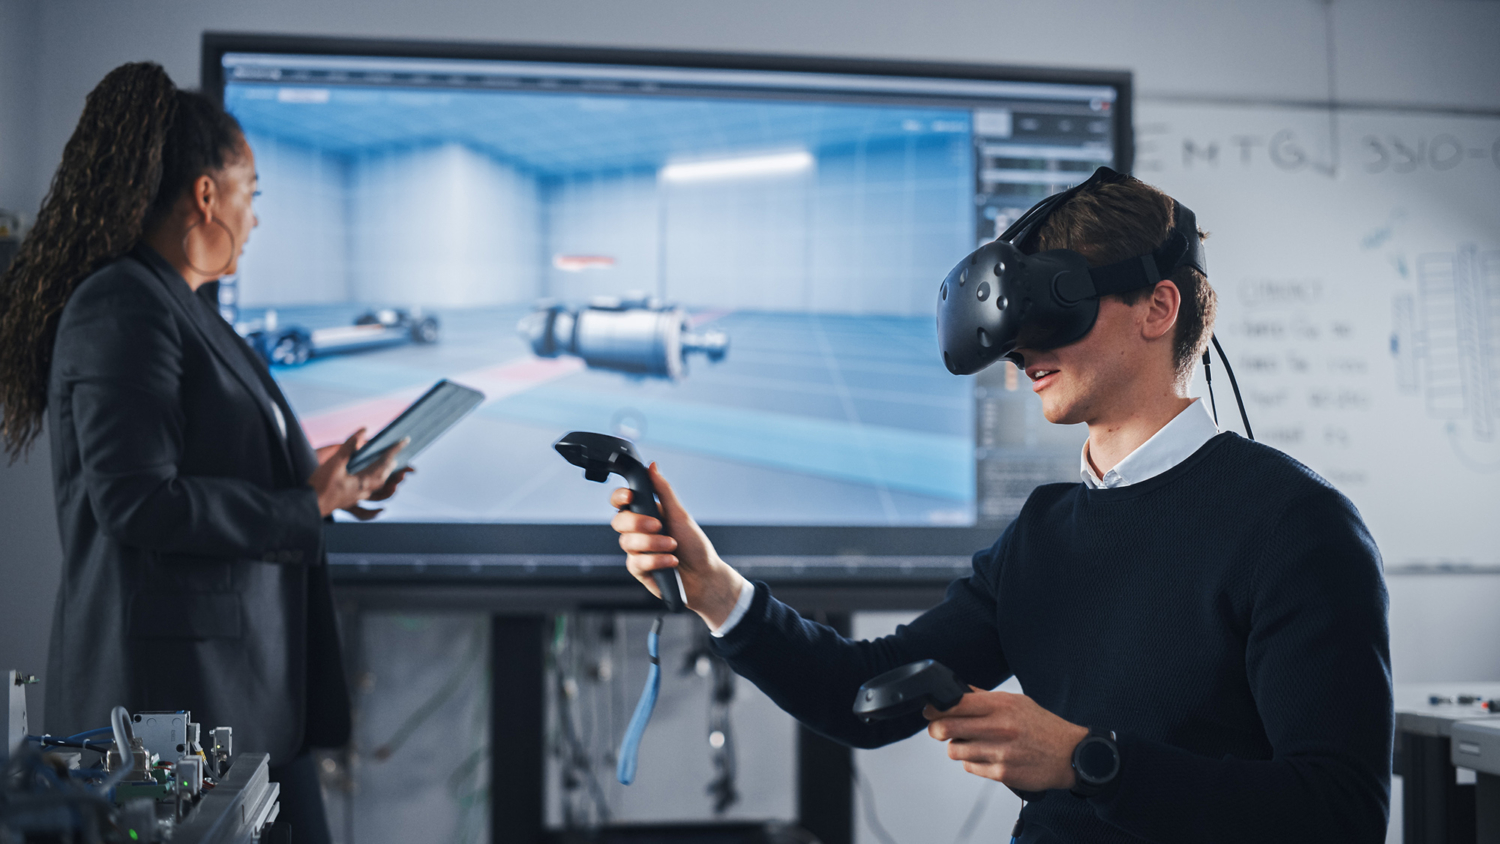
(1174, 443)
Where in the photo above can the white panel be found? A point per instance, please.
(1443, 628)
(612, 215)
(889, 223)
(740, 243)
(442, 227)
(19, 106)
(297, 255)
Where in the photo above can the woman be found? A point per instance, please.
(190, 504)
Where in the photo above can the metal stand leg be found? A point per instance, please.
(517, 666)
(1487, 809)
(1435, 808)
(825, 775)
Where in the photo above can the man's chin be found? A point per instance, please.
(1060, 413)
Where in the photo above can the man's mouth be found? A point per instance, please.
(1040, 377)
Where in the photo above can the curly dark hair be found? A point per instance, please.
(139, 144)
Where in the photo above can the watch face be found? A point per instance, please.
(1097, 760)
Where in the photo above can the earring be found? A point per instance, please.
(227, 263)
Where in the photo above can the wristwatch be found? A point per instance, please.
(1096, 762)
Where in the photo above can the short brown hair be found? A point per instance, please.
(1118, 220)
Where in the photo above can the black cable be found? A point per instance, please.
(1235, 384)
(722, 787)
(1208, 377)
(578, 764)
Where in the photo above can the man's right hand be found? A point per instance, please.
(712, 587)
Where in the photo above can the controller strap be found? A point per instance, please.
(630, 747)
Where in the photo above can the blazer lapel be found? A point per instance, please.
(304, 459)
(227, 346)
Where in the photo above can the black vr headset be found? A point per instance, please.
(1005, 295)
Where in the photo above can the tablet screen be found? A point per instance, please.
(428, 418)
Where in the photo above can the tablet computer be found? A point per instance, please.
(428, 418)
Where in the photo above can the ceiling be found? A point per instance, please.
(569, 132)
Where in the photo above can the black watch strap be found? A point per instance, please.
(1096, 762)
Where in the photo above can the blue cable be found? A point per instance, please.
(630, 747)
(102, 731)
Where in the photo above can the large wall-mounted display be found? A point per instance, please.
(730, 260)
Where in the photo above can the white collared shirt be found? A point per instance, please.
(1185, 434)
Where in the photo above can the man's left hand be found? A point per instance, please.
(1009, 738)
(386, 490)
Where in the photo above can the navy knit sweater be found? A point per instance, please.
(1227, 619)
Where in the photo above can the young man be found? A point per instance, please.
(1202, 613)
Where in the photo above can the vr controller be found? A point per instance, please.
(600, 455)
(902, 691)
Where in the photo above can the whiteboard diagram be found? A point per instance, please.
(1444, 338)
(1360, 303)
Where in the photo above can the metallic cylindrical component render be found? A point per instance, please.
(644, 341)
(639, 342)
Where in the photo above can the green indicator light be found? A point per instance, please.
(133, 836)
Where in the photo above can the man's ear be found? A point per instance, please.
(1161, 311)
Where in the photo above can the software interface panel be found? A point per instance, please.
(735, 269)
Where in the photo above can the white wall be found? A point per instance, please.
(463, 225)
(870, 201)
(614, 214)
(29, 555)
(299, 253)
(741, 243)
(834, 239)
(19, 25)
(338, 228)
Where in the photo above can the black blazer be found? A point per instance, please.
(194, 574)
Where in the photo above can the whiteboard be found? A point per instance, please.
(1357, 262)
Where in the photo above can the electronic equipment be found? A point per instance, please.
(793, 204)
(16, 726)
(428, 418)
(145, 778)
(601, 455)
(1006, 295)
(902, 691)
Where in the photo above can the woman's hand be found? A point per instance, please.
(710, 585)
(339, 490)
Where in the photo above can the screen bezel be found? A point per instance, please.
(349, 542)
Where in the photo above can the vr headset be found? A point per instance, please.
(1005, 295)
